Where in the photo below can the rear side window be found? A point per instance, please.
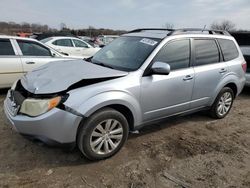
(229, 50)
(6, 47)
(206, 52)
(63, 42)
(29, 48)
(176, 54)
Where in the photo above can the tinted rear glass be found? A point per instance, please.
(6, 47)
(229, 49)
(206, 52)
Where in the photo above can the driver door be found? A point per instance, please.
(165, 95)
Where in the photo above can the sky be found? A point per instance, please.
(126, 14)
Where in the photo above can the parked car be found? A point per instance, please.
(142, 77)
(74, 47)
(106, 39)
(20, 55)
(243, 39)
(246, 52)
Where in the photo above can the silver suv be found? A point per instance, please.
(141, 77)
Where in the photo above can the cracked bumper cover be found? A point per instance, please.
(57, 125)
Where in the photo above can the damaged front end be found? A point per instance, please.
(32, 105)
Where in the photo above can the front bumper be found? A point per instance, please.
(247, 79)
(56, 125)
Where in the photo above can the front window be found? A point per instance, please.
(30, 48)
(176, 54)
(80, 44)
(126, 53)
(63, 42)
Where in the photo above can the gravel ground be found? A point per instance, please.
(190, 151)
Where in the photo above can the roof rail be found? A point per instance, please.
(198, 30)
(150, 29)
(184, 31)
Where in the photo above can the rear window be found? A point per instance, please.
(6, 47)
(229, 50)
(206, 52)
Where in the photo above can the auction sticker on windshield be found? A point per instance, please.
(148, 41)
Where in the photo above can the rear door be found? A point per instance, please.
(33, 54)
(209, 70)
(10, 63)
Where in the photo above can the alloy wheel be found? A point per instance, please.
(106, 136)
(224, 103)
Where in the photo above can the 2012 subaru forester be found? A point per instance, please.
(141, 77)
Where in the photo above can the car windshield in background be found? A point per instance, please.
(46, 40)
(126, 53)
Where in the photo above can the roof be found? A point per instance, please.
(148, 34)
(163, 33)
(60, 37)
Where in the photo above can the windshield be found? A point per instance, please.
(46, 40)
(126, 53)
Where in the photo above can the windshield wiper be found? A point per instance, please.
(104, 65)
(88, 59)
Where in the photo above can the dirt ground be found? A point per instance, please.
(190, 151)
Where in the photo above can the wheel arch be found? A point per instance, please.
(120, 101)
(231, 83)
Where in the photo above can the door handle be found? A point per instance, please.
(30, 62)
(188, 77)
(223, 70)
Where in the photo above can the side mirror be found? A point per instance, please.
(160, 68)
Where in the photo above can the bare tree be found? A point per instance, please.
(226, 25)
(168, 25)
(63, 26)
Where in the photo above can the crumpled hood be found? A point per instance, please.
(58, 76)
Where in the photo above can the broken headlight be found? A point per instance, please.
(35, 107)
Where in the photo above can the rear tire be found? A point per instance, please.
(103, 134)
(222, 104)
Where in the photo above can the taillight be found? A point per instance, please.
(244, 66)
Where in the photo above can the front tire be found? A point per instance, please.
(103, 134)
(223, 103)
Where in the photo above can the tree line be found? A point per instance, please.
(12, 28)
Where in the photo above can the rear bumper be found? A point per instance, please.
(247, 79)
(55, 126)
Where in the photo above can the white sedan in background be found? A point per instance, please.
(73, 47)
(20, 55)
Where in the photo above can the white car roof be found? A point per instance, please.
(63, 37)
(16, 37)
